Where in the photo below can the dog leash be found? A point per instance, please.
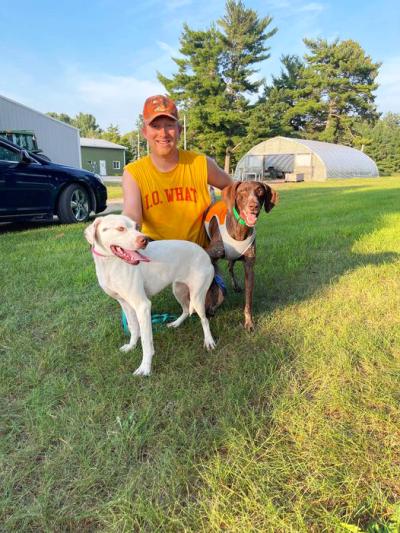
(221, 284)
(156, 320)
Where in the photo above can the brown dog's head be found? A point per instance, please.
(248, 197)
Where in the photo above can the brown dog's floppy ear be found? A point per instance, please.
(229, 194)
(271, 198)
(90, 232)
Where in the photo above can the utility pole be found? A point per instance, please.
(138, 145)
(184, 131)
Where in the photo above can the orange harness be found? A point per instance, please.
(233, 248)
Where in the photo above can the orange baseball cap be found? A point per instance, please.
(159, 105)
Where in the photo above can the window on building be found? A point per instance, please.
(93, 165)
(116, 165)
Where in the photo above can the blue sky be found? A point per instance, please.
(101, 56)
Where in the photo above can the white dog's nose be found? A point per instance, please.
(142, 241)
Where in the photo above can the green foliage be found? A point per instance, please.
(112, 134)
(382, 143)
(329, 95)
(243, 39)
(336, 90)
(198, 86)
(214, 76)
(85, 122)
(61, 116)
(87, 125)
(292, 428)
(271, 115)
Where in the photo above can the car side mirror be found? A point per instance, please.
(25, 158)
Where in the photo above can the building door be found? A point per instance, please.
(103, 168)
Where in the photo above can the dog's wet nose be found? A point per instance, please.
(142, 241)
(253, 206)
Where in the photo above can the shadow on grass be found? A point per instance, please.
(119, 452)
(308, 240)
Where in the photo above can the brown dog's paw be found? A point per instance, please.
(249, 324)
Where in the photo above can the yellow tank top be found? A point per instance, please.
(173, 202)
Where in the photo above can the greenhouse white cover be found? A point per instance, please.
(303, 159)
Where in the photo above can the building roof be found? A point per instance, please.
(13, 102)
(340, 159)
(100, 143)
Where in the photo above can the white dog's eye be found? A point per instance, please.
(121, 228)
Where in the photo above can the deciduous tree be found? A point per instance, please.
(87, 125)
(382, 142)
(63, 117)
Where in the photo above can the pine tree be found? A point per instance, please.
(214, 78)
(269, 116)
(243, 36)
(336, 90)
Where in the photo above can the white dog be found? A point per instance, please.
(132, 278)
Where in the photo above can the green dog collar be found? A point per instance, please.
(238, 217)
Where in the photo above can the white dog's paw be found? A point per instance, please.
(142, 371)
(209, 344)
(178, 321)
(127, 347)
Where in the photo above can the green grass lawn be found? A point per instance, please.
(295, 427)
(114, 191)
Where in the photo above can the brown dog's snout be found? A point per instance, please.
(142, 241)
(253, 204)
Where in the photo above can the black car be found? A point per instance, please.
(34, 188)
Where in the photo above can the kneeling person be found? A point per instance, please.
(167, 191)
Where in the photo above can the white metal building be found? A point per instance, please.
(301, 159)
(57, 140)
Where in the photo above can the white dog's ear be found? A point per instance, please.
(90, 232)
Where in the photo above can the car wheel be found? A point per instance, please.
(74, 204)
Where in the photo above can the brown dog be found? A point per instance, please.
(230, 224)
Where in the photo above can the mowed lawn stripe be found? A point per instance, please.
(292, 428)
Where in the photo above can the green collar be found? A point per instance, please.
(238, 217)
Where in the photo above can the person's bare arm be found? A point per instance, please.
(132, 199)
(216, 176)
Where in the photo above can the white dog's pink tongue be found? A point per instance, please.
(249, 218)
(132, 257)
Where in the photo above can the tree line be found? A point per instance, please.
(88, 127)
(327, 95)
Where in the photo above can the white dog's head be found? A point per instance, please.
(117, 235)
